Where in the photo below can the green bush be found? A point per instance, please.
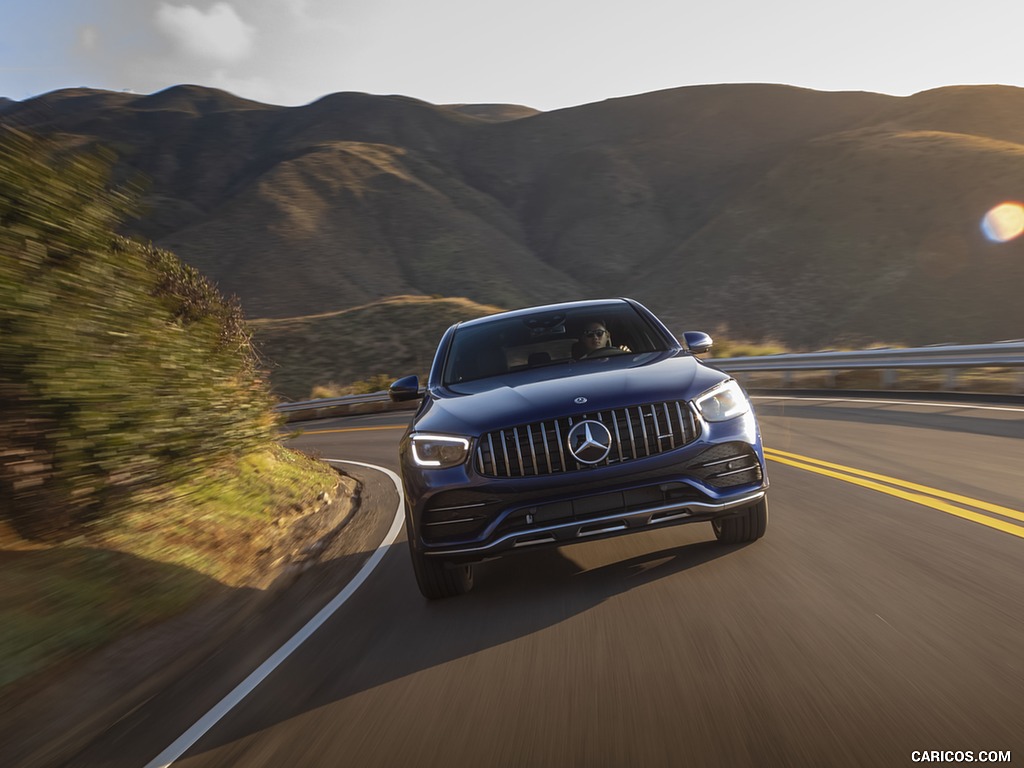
(121, 369)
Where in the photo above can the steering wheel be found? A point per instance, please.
(603, 352)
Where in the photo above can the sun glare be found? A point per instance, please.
(1004, 222)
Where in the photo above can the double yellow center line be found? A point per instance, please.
(944, 501)
(950, 503)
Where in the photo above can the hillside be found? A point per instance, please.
(494, 113)
(774, 212)
(396, 336)
(141, 469)
(800, 257)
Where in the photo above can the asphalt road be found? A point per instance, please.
(877, 618)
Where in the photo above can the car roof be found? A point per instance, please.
(566, 305)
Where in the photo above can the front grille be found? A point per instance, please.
(541, 448)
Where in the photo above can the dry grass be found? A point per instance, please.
(210, 534)
(382, 340)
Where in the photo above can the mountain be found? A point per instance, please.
(494, 113)
(765, 211)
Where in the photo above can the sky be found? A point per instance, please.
(546, 54)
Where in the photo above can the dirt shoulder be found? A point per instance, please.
(48, 717)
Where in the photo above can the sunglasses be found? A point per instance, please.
(595, 334)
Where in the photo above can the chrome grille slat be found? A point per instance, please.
(629, 426)
(643, 426)
(618, 439)
(561, 451)
(657, 430)
(671, 428)
(532, 453)
(504, 453)
(608, 458)
(686, 425)
(519, 451)
(547, 450)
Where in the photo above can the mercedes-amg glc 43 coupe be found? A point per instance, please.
(559, 424)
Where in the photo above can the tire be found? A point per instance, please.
(438, 579)
(748, 525)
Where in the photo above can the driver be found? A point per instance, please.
(593, 337)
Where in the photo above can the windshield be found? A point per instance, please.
(578, 335)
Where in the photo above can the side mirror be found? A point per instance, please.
(406, 388)
(697, 341)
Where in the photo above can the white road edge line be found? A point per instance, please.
(892, 402)
(207, 721)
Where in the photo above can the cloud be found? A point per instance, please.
(297, 8)
(218, 34)
(286, 52)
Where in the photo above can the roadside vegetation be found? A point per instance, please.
(342, 353)
(725, 347)
(376, 383)
(140, 469)
(338, 353)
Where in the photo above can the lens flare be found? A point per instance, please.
(1004, 222)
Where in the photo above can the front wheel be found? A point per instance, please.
(748, 525)
(438, 579)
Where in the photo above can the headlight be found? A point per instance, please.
(722, 402)
(439, 450)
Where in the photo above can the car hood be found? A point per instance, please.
(540, 394)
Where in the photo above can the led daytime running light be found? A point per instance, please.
(439, 450)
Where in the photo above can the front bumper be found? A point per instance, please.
(459, 515)
(570, 531)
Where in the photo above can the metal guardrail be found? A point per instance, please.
(1005, 354)
(325, 408)
(328, 402)
(949, 358)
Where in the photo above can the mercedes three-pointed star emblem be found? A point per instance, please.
(590, 442)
